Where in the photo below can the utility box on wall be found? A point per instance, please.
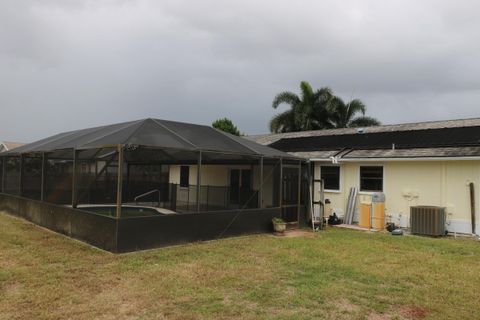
(378, 211)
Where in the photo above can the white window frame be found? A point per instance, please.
(340, 174)
(360, 178)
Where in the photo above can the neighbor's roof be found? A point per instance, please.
(152, 133)
(267, 139)
(9, 145)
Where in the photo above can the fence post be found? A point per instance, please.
(299, 190)
(208, 190)
(4, 168)
(260, 189)
(74, 179)
(119, 181)
(43, 177)
(199, 178)
(20, 183)
(280, 196)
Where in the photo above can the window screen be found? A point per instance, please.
(184, 176)
(331, 177)
(371, 178)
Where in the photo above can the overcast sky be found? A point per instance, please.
(70, 64)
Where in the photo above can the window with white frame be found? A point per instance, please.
(331, 177)
(371, 178)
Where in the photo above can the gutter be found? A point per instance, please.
(412, 159)
(336, 160)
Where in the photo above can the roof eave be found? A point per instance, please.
(378, 159)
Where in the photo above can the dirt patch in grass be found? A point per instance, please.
(296, 234)
(345, 305)
(413, 312)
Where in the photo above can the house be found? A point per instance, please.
(151, 182)
(9, 145)
(427, 163)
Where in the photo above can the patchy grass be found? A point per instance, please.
(337, 274)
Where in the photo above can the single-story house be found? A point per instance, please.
(427, 163)
(151, 182)
(9, 145)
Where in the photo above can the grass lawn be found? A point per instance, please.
(337, 274)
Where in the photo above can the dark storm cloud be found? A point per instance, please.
(71, 64)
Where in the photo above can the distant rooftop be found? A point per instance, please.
(267, 139)
(9, 145)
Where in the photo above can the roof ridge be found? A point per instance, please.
(379, 126)
(172, 131)
(126, 125)
(230, 136)
(136, 130)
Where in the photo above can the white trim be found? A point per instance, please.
(408, 159)
(321, 160)
(332, 191)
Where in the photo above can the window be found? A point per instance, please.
(331, 177)
(371, 178)
(184, 176)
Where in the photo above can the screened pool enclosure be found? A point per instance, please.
(151, 182)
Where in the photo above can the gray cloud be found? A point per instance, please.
(72, 64)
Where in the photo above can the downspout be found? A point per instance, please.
(472, 206)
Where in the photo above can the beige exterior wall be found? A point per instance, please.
(410, 183)
(219, 176)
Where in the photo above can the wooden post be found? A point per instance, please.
(299, 190)
(43, 177)
(74, 179)
(119, 181)
(199, 179)
(260, 189)
(127, 184)
(472, 206)
(20, 182)
(208, 191)
(4, 168)
(280, 196)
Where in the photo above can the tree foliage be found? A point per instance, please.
(226, 125)
(319, 109)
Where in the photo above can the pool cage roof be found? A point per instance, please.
(154, 133)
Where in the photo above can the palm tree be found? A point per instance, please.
(343, 115)
(308, 112)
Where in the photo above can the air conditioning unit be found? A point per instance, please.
(428, 220)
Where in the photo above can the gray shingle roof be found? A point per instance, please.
(330, 141)
(267, 139)
(318, 155)
(452, 152)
